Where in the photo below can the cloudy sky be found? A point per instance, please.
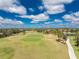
(39, 13)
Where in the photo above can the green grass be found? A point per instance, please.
(33, 37)
(32, 46)
(6, 53)
(73, 42)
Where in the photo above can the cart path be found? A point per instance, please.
(70, 50)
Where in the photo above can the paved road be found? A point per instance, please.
(71, 50)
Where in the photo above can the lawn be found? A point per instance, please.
(73, 42)
(32, 45)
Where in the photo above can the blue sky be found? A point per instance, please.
(39, 13)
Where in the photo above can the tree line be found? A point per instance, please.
(9, 32)
(62, 37)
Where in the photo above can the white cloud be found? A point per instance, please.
(34, 21)
(54, 9)
(9, 21)
(39, 17)
(1, 17)
(11, 6)
(55, 6)
(17, 9)
(76, 22)
(57, 1)
(19, 22)
(74, 17)
(57, 20)
(5, 3)
(76, 14)
(69, 17)
(49, 22)
(41, 7)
